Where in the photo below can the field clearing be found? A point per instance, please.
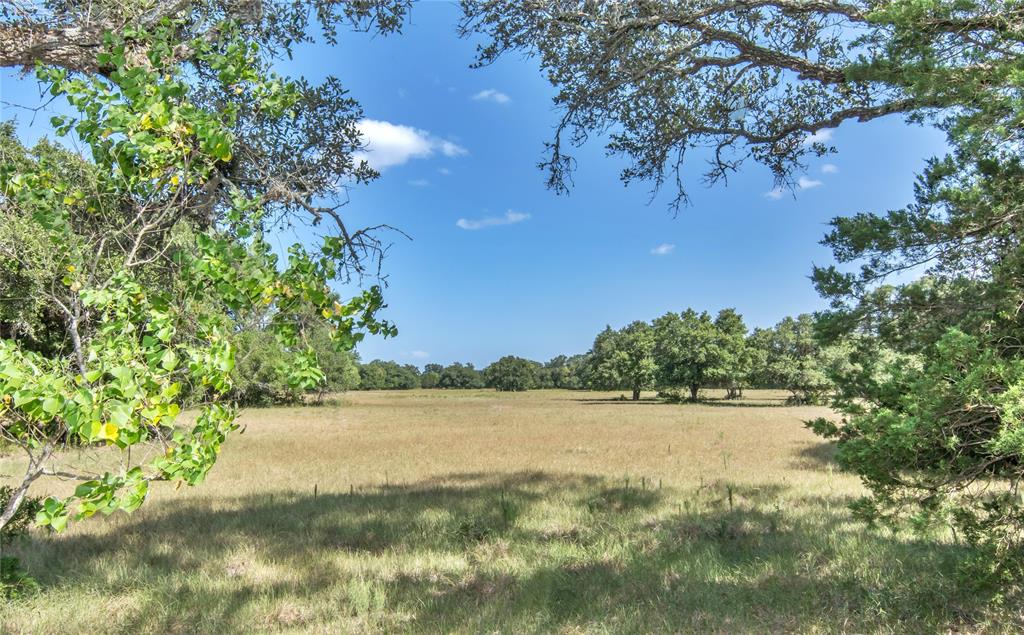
(477, 511)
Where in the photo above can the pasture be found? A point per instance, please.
(478, 512)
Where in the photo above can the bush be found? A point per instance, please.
(14, 579)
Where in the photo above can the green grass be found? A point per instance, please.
(470, 511)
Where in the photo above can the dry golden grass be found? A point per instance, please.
(475, 511)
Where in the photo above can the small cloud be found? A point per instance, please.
(510, 218)
(821, 136)
(663, 249)
(805, 183)
(389, 144)
(492, 94)
(450, 149)
(419, 354)
(775, 194)
(444, 171)
(829, 168)
(419, 183)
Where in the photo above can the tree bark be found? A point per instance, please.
(32, 472)
(636, 394)
(693, 392)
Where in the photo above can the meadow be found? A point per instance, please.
(477, 512)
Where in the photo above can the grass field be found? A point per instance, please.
(479, 512)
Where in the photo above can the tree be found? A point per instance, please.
(566, 372)
(735, 361)
(748, 80)
(406, 377)
(373, 376)
(623, 359)
(600, 372)
(430, 379)
(931, 404)
(686, 350)
(511, 373)
(792, 358)
(386, 375)
(340, 367)
(459, 375)
(256, 379)
(141, 259)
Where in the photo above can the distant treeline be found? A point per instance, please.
(678, 353)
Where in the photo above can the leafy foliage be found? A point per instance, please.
(459, 375)
(381, 375)
(690, 350)
(146, 255)
(623, 359)
(789, 356)
(511, 373)
(14, 580)
(729, 82)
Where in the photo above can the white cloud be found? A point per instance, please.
(494, 95)
(806, 183)
(663, 249)
(450, 149)
(775, 194)
(419, 354)
(510, 218)
(389, 144)
(822, 136)
(829, 168)
(444, 171)
(419, 183)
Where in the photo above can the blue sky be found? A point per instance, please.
(500, 265)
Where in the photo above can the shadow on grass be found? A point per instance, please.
(711, 401)
(532, 551)
(817, 456)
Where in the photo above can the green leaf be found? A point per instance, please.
(169, 360)
(119, 412)
(52, 405)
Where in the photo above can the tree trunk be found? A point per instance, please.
(636, 394)
(693, 392)
(18, 496)
(32, 472)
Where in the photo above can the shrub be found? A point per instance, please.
(14, 579)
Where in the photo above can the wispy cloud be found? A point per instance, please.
(829, 168)
(419, 354)
(822, 136)
(805, 183)
(510, 218)
(444, 171)
(389, 144)
(419, 183)
(663, 249)
(775, 193)
(492, 94)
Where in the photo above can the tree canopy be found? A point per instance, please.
(623, 359)
(749, 80)
(124, 274)
(511, 373)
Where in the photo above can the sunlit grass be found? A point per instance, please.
(473, 511)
